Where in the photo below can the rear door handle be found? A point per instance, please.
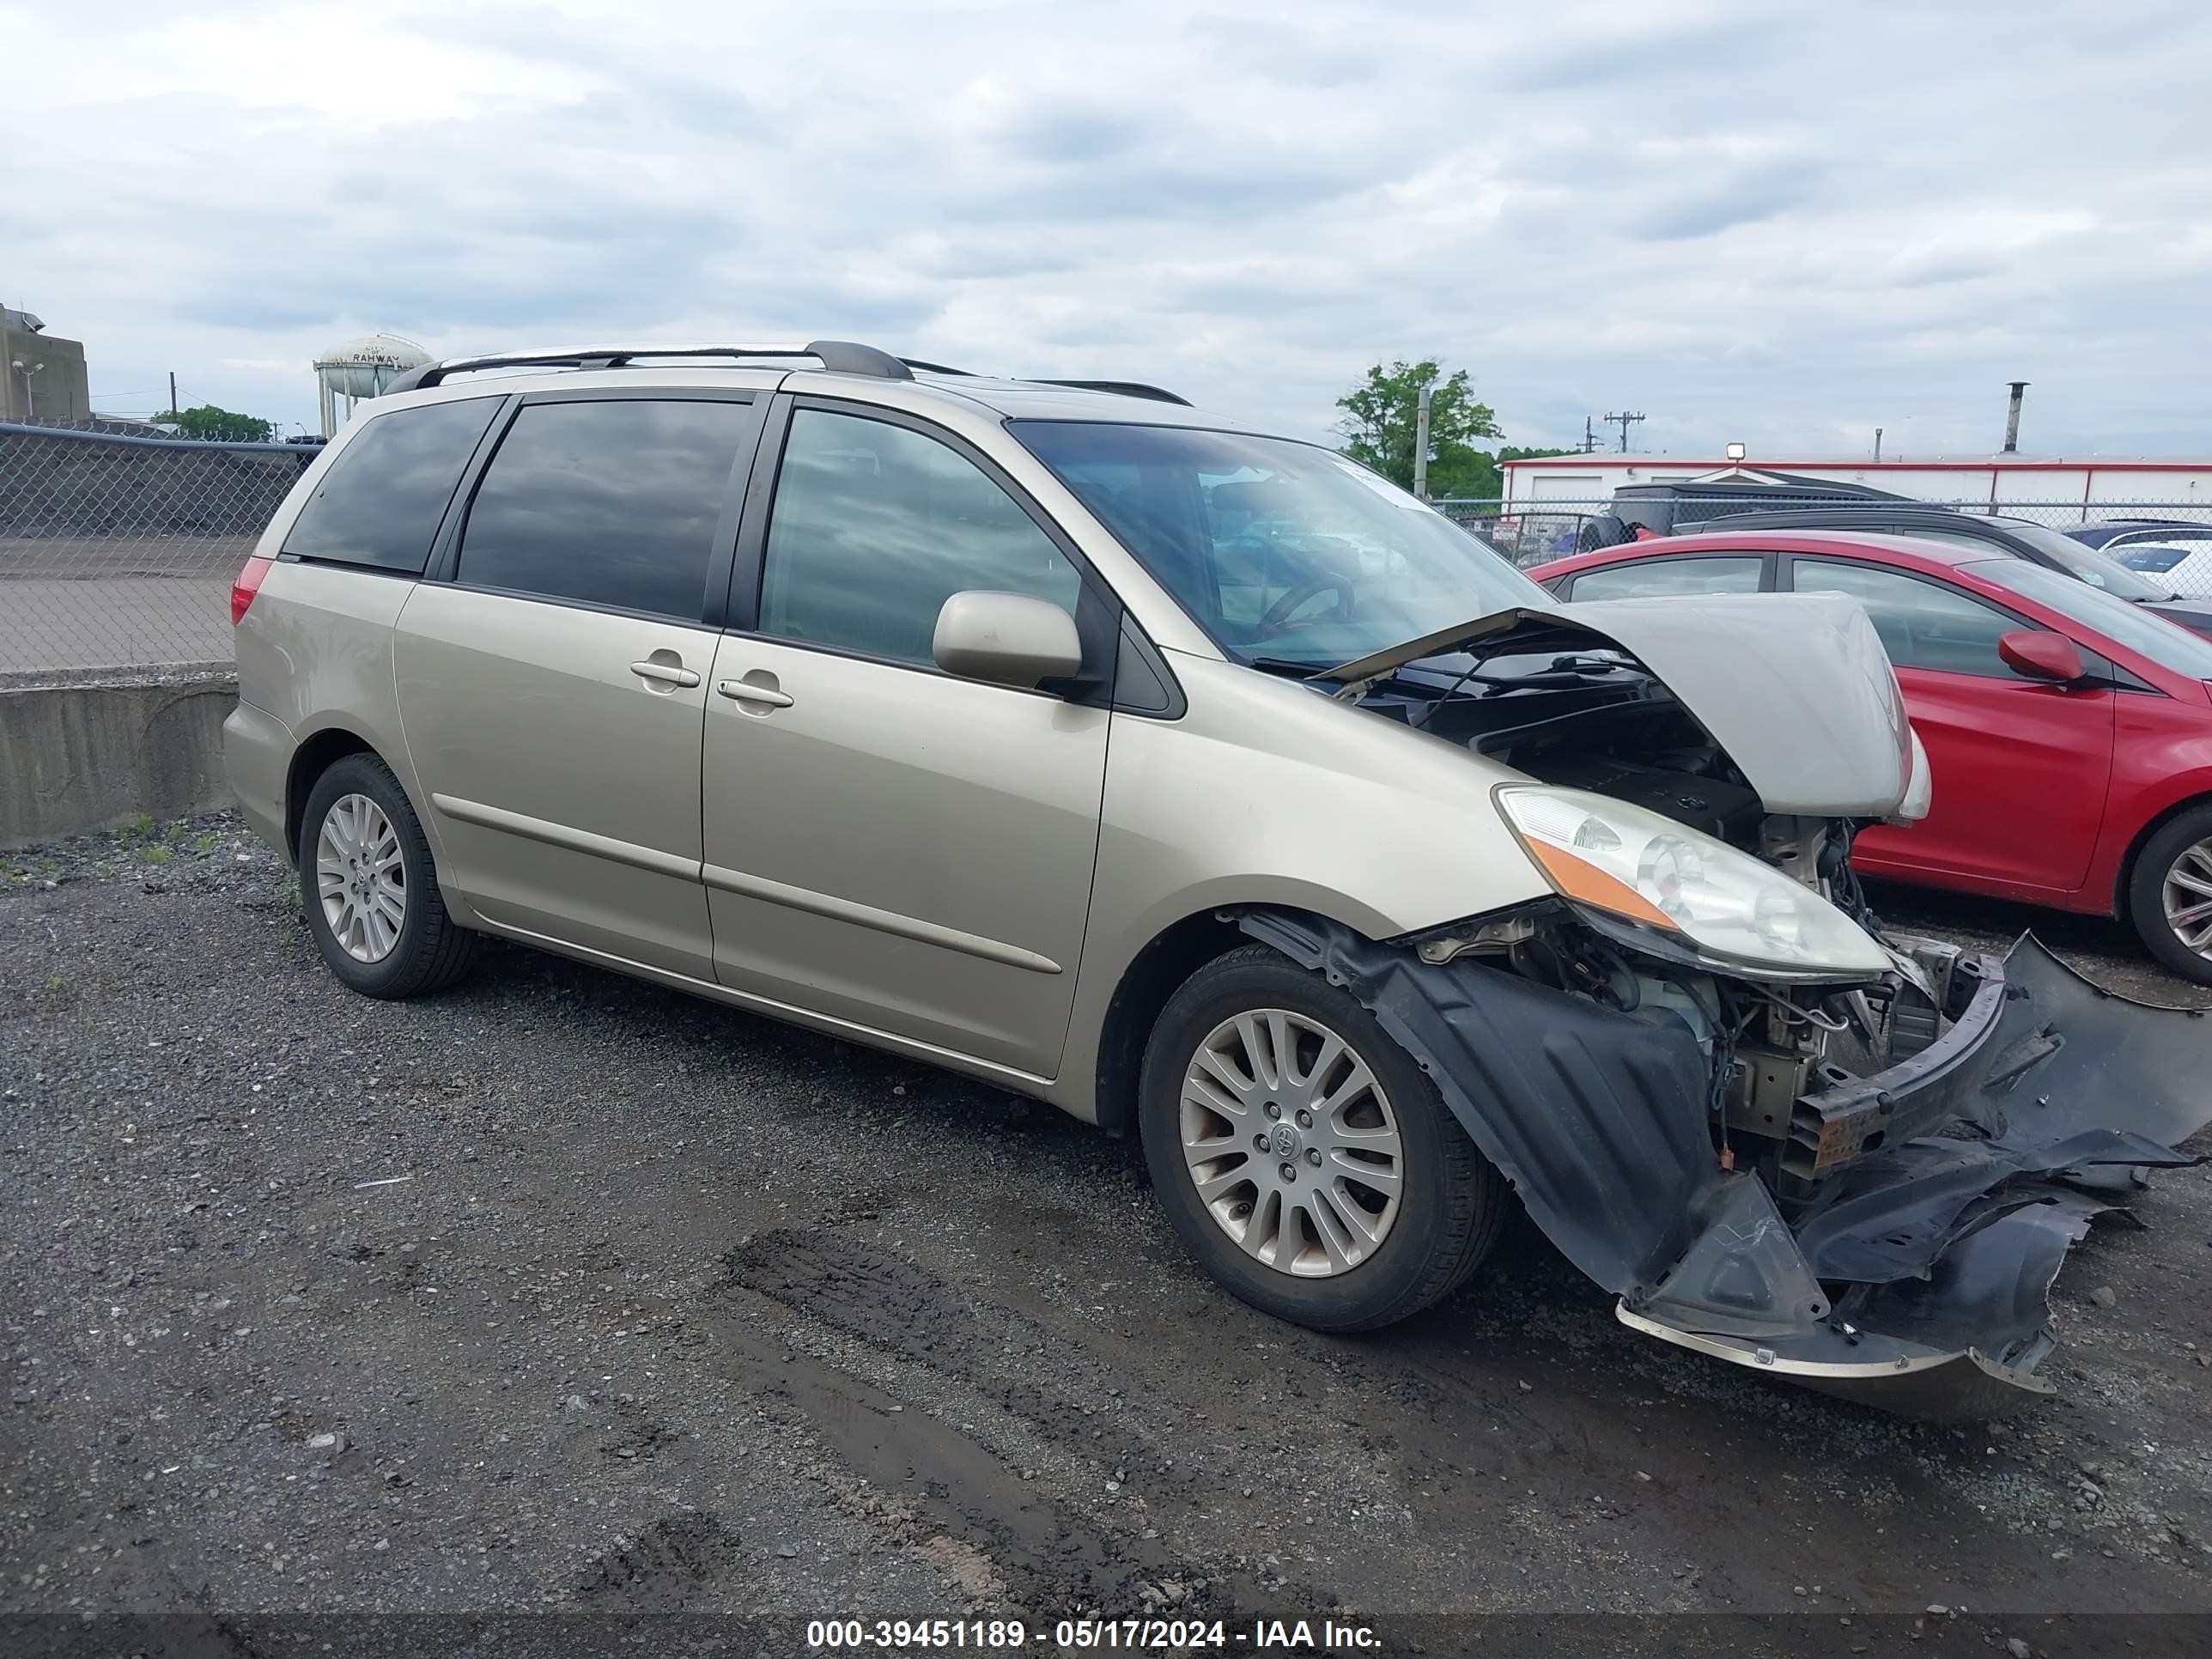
(662, 674)
(740, 692)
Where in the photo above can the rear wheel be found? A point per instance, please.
(369, 889)
(1304, 1157)
(2169, 895)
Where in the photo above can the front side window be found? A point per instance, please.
(1280, 551)
(611, 503)
(379, 504)
(1921, 625)
(2168, 644)
(1651, 578)
(876, 525)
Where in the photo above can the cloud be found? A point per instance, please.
(1754, 223)
(1709, 209)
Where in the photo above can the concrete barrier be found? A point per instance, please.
(88, 754)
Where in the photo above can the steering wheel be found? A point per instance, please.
(1280, 613)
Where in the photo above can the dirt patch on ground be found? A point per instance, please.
(563, 1295)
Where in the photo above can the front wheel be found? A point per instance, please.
(369, 889)
(1302, 1156)
(2170, 895)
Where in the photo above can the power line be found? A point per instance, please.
(1623, 421)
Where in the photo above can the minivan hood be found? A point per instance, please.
(1794, 687)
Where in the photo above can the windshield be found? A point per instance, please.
(2099, 570)
(2168, 644)
(2085, 564)
(1282, 551)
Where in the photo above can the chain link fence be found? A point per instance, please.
(118, 551)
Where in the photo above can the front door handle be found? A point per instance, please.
(745, 692)
(661, 674)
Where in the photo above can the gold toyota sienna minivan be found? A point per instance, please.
(1206, 785)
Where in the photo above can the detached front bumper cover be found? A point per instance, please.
(1916, 1277)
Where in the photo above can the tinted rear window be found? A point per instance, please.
(2154, 561)
(611, 503)
(380, 502)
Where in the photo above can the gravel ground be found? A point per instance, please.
(563, 1293)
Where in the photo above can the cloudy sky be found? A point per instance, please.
(1782, 224)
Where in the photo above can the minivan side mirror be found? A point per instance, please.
(2041, 656)
(1006, 638)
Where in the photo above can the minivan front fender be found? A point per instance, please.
(1268, 794)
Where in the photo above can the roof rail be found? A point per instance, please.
(1126, 388)
(840, 356)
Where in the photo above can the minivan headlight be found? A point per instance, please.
(1653, 873)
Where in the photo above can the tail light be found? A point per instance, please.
(247, 585)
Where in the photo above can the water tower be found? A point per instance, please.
(361, 368)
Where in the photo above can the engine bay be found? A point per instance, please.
(1600, 721)
(1588, 720)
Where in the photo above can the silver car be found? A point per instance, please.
(1205, 784)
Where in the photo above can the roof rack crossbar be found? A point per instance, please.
(1126, 388)
(838, 356)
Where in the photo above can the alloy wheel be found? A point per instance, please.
(1291, 1142)
(359, 878)
(2187, 893)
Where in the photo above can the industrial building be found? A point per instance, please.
(2094, 486)
(43, 374)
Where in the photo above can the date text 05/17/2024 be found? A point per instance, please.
(1264, 1635)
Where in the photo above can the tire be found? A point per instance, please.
(1450, 1202)
(2182, 849)
(427, 950)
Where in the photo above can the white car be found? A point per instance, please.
(2181, 559)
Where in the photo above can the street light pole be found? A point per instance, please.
(27, 370)
(1421, 445)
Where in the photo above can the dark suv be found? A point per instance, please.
(1670, 507)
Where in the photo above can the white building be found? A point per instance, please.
(2098, 488)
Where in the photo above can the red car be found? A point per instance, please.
(2070, 732)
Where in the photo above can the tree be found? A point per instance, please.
(1380, 414)
(218, 425)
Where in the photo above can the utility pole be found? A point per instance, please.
(1877, 446)
(1589, 437)
(1624, 421)
(173, 392)
(1421, 445)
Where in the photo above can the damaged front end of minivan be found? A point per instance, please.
(1782, 1137)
